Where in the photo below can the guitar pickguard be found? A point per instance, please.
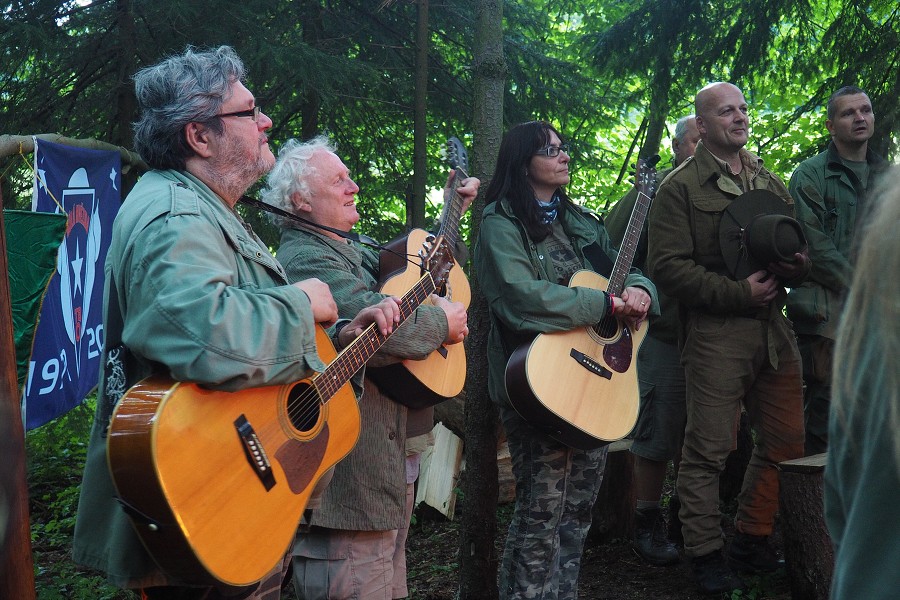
(300, 460)
(618, 355)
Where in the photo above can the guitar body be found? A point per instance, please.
(442, 375)
(207, 507)
(579, 386)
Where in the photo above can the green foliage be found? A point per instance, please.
(610, 74)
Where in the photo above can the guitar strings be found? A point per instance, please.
(310, 401)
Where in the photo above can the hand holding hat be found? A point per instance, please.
(757, 233)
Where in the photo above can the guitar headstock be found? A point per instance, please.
(438, 260)
(645, 175)
(457, 157)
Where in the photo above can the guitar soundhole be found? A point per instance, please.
(607, 328)
(303, 407)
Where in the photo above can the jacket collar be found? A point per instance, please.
(834, 162)
(710, 167)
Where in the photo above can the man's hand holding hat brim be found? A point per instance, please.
(794, 269)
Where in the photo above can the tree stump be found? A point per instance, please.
(613, 513)
(808, 552)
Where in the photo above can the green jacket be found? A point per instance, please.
(192, 294)
(830, 200)
(368, 488)
(665, 328)
(519, 283)
(685, 259)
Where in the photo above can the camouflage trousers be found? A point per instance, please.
(556, 487)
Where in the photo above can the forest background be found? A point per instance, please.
(391, 80)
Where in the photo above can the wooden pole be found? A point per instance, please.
(16, 564)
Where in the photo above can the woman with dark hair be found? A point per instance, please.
(533, 238)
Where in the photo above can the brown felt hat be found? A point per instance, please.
(757, 229)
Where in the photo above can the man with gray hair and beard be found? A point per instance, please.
(192, 294)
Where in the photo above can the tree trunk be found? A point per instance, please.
(415, 204)
(477, 558)
(808, 551)
(16, 565)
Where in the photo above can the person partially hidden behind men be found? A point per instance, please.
(659, 430)
(738, 349)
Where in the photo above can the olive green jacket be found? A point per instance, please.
(519, 282)
(685, 259)
(193, 295)
(830, 202)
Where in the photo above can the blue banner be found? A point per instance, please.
(65, 358)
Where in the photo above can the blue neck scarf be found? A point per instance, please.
(550, 209)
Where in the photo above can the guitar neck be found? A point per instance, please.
(452, 213)
(352, 358)
(629, 245)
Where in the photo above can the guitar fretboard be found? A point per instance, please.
(352, 358)
(629, 245)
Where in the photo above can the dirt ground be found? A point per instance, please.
(610, 571)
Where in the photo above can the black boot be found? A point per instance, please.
(713, 576)
(753, 554)
(675, 521)
(650, 540)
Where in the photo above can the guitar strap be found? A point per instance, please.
(598, 259)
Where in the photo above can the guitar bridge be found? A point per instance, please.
(590, 364)
(253, 450)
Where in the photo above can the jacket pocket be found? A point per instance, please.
(707, 214)
(807, 303)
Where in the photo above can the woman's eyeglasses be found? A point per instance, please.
(552, 151)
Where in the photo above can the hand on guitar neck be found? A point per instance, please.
(457, 319)
(633, 306)
(386, 315)
(466, 188)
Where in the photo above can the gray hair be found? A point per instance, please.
(847, 90)
(291, 174)
(681, 127)
(182, 89)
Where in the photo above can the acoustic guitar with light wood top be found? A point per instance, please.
(442, 375)
(215, 482)
(580, 386)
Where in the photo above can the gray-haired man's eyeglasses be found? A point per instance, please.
(253, 113)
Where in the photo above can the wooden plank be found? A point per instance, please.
(439, 472)
(808, 464)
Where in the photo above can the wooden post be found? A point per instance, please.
(16, 564)
(808, 551)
